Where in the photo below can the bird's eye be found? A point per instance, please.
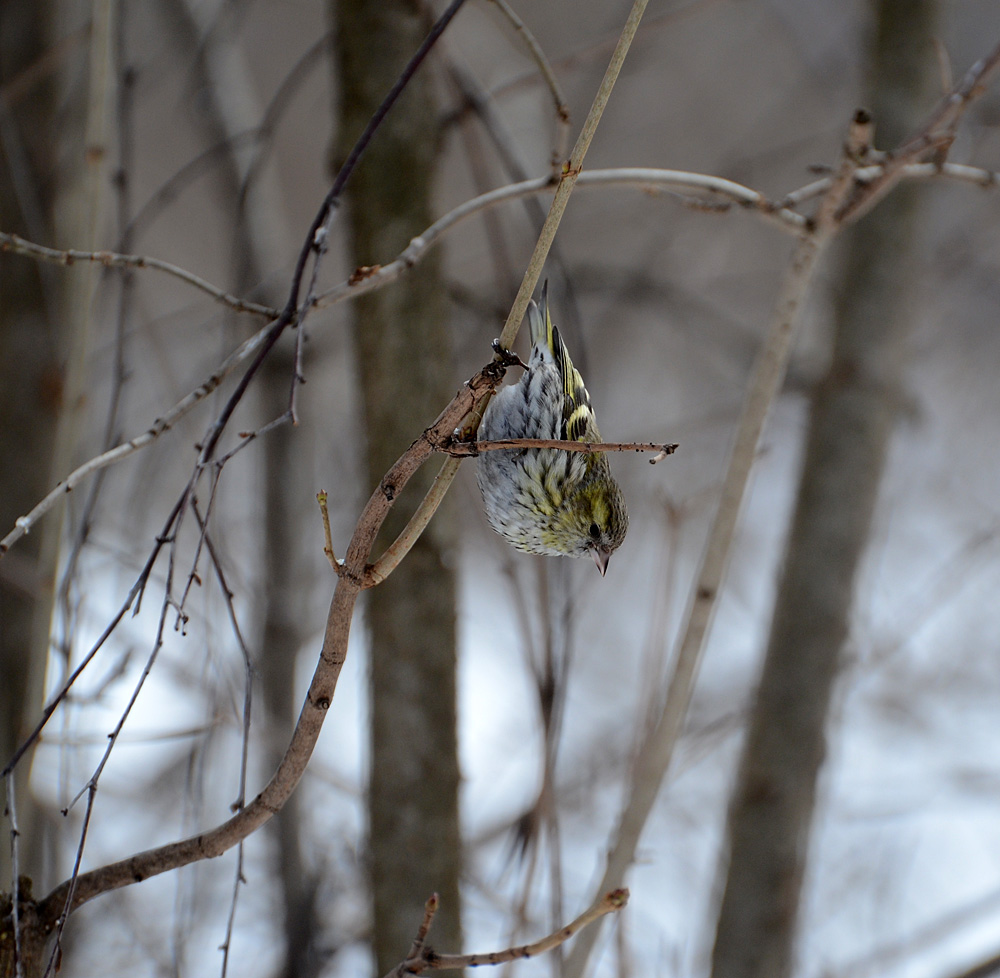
(595, 530)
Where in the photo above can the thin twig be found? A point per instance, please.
(248, 670)
(238, 880)
(558, 99)
(60, 921)
(110, 259)
(462, 449)
(65, 905)
(400, 547)
(130, 603)
(324, 512)
(246, 437)
(417, 947)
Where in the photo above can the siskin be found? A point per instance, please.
(544, 500)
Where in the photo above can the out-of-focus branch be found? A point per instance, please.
(110, 259)
(853, 409)
(428, 959)
(162, 424)
(936, 135)
(657, 751)
(558, 98)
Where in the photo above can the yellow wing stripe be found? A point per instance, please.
(578, 422)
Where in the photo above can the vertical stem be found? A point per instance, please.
(769, 371)
(853, 409)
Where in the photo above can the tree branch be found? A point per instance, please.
(429, 959)
(319, 697)
(17, 245)
(465, 449)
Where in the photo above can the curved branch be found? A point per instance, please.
(424, 959)
(318, 699)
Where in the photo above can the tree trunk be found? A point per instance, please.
(30, 396)
(404, 363)
(852, 415)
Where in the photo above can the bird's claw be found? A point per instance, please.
(507, 357)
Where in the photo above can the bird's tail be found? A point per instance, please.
(540, 328)
(578, 415)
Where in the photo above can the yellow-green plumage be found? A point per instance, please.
(549, 501)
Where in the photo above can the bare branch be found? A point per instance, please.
(570, 174)
(725, 194)
(400, 547)
(110, 259)
(938, 132)
(73, 894)
(558, 98)
(417, 948)
(416, 964)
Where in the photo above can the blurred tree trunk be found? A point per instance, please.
(853, 411)
(30, 394)
(404, 364)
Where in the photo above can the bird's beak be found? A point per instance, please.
(601, 558)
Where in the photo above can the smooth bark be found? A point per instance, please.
(405, 371)
(31, 389)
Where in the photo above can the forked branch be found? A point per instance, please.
(423, 958)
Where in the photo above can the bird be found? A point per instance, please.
(546, 500)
